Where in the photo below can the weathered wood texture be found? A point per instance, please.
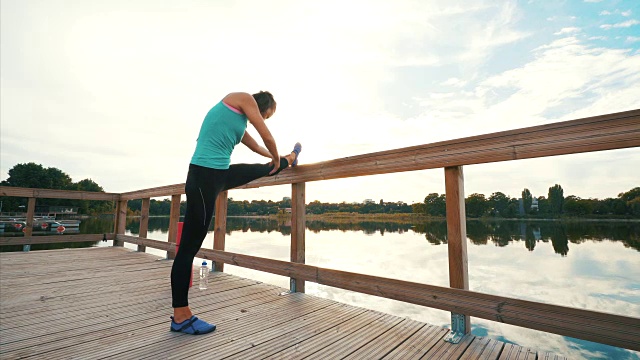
(31, 209)
(610, 329)
(220, 226)
(174, 217)
(597, 133)
(52, 307)
(144, 221)
(53, 239)
(457, 232)
(56, 194)
(120, 220)
(298, 229)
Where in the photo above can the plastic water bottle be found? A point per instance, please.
(204, 272)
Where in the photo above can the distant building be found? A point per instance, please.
(55, 210)
(369, 201)
(534, 204)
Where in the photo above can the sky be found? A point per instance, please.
(116, 91)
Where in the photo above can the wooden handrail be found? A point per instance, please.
(597, 133)
(53, 239)
(589, 325)
(57, 194)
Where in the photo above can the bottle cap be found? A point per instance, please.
(204, 262)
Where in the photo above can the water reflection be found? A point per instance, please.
(499, 233)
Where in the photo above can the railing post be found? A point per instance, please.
(298, 226)
(28, 229)
(144, 221)
(220, 227)
(121, 221)
(174, 216)
(457, 243)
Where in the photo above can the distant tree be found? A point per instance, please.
(556, 199)
(32, 175)
(527, 199)
(499, 203)
(435, 204)
(476, 205)
(630, 195)
(543, 206)
(418, 208)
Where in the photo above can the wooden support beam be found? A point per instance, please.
(457, 233)
(32, 240)
(220, 227)
(174, 217)
(121, 220)
(31, 209)
(298, 227)
(144, 221)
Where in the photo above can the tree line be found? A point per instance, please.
(554, 205)
(498, 204)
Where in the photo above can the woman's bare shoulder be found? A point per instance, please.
(240, 100)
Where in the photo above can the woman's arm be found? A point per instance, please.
(250, 142)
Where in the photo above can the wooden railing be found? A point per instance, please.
(606, 132)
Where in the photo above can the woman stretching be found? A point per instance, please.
(209, 174)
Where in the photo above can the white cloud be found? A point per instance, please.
(605, 12)
(454, 82)
(592, 1)
(567, 30)
(633, 38)
(626, 13)
(624, 24)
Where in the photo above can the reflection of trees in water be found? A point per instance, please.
(479, 232)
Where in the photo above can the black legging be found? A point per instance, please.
(202, 188)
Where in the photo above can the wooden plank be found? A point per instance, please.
(546, 355)
(483, 348)
(457, 233)
(388, 341)
(419, 344)
(596, 133)
(319, 342)
(174, 217)
(516, 352)
(232, 330)
(220, 226)
(53, 239)
(144, 221)
(589, 325)
(56, 194)
(447, 350)
(295, 337)
(358, 339)
(274, 332)
(298, 229)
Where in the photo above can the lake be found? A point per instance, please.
(591, 265)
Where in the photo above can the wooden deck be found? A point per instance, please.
(115, 303)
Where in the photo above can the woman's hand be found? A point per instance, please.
(275, 162)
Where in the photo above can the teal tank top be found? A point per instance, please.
(222, 129)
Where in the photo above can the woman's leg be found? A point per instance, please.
(242, 174)
(202, 188)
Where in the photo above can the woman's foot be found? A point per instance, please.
(296, 150)
(192, 326)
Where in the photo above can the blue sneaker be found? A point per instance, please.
(296, 149)
(193, 326)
